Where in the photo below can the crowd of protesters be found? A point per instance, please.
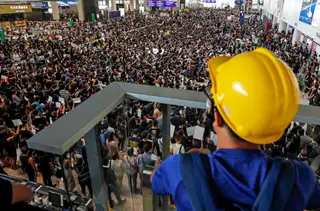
(47, 69)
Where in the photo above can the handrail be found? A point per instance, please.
(82, 121)
(66, 131)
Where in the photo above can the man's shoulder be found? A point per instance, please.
(305, 174)
(172, 163)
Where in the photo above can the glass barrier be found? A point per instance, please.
(100, 147)
(127, 131)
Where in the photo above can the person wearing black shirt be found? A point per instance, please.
(38, 120)
(7, 141)
(28, 164)
(82, 170)
(45, 169)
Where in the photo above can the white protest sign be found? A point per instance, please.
(17, 122)
(214, 138)
(58, 104)
(190, 131)
(76, 100)
(111, 129)
(154, 157)
(61, 100)
(198, 133)
(172, 128)
(139, 113)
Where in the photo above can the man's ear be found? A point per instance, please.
(217, 120)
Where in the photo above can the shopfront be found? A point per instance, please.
(14, 11)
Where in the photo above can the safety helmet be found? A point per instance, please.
(256, 94)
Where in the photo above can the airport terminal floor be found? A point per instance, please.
(103, 111)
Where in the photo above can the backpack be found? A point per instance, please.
(274, 194)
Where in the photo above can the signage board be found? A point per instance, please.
(155, 3)
(209, 1)
(307, 11)
(15, 8)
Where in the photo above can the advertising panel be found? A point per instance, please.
(16, 8)
(209, 1)
(316, 16)
(67, 3)
(279, 4)
(155, 3)
(307, 11)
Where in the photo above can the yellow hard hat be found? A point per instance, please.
(256, 94)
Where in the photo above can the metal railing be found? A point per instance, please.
(81, 122)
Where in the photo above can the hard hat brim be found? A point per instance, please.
(213, 65)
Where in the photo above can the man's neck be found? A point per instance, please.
(225, 142)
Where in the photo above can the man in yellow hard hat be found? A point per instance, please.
(253, 98)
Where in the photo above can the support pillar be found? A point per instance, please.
(282, 26)
(131, 5)
(274, 21)
(296, 36)
(166, 112)
(146, 8)
(81, 10)
(113, 5)
(99, 187)
(55, 11)
(126, 6)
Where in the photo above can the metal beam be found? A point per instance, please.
(308, 114)
(66, 131)
(98, 182)
(69, 129)
(166, 113)
(163, 95)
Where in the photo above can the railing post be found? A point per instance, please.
(98, 183)
(166, 113)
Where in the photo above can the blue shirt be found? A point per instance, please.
(40, 107)
(239, 175)
(144, 160)
(102, 135)
(135, 139)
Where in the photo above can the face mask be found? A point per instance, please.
(68, 156)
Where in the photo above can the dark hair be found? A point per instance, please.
(316, 138)
(179, 135)
(35, 112)
(130, 152)
(301, 132)
(115, 156)
(147, 146)
(24, 150)
(1, 121)
(154, 123)
(230, 132)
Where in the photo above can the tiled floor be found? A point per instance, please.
(134, 202)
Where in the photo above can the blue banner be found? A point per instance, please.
(209, 1)
(241, 18)
(67, 3)
(307, 11)
(238, 2)
(155, 3)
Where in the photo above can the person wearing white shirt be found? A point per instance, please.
(178, 148)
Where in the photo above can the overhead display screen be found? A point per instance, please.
(67, 3)
(209, 1)
(155, 3)
(307, 11)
